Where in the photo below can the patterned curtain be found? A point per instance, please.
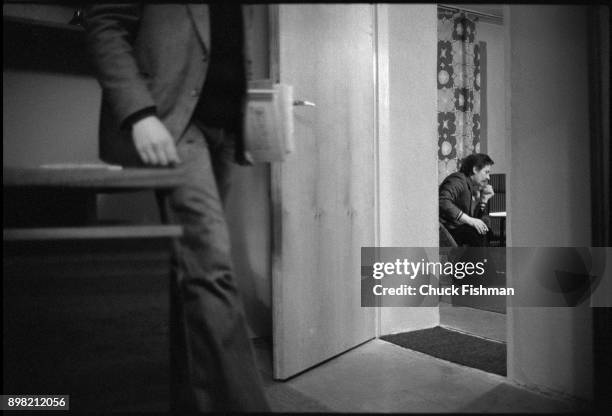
(458, 90)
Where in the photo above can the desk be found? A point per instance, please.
(502, 225)
(94, 179)
(67, 197)
(85, 304)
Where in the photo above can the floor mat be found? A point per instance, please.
(456, 347)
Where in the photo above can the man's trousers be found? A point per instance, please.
(211, 354)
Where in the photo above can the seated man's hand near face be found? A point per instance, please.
(486, 193)
(154, 142)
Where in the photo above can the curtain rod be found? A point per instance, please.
(485, 16)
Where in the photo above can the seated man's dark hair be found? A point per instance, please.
(480, 160)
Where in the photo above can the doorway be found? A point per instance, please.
(480, 317)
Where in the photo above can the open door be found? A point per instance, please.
(323, 195)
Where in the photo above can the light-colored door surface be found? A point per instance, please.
(323, 195)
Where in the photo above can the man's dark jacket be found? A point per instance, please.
(457, 195)
(148, 55)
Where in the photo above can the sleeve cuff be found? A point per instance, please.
(137, 116)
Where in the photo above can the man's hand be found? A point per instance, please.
(154, 142)
(480, 226)
(486, 193)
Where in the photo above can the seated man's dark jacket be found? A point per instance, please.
(457, 195)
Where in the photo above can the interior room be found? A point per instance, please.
(87, 256)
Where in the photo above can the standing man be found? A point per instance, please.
(173, 81)
(463, 198)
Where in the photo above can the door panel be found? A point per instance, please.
(323, 195)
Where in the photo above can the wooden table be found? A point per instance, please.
(67, 197)
(85, 303)
(95, 179)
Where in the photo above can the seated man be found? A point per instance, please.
(463, 198)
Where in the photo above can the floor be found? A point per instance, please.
(374, 377)
(382, 377)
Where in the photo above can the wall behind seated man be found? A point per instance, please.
(493, 35)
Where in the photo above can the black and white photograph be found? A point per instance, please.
(306, 207)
